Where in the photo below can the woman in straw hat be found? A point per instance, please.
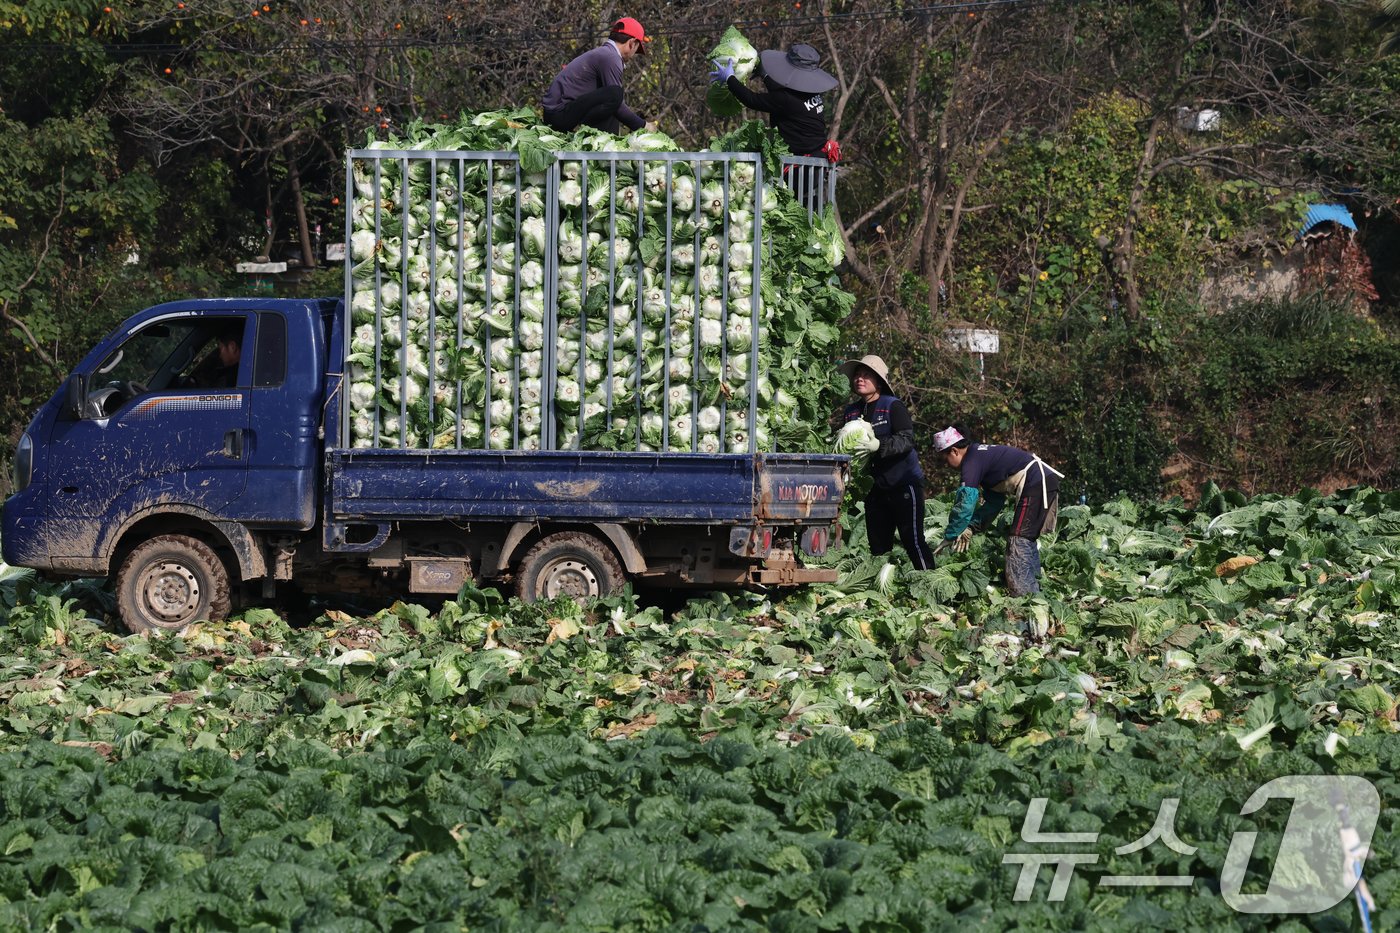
(993, 473)
(896, 499)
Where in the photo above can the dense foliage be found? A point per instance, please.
(855, 756)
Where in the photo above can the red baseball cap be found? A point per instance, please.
(632, 29)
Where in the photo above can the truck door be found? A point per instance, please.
(284, 445)
(165, 422)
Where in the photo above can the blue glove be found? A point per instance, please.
(722, 72)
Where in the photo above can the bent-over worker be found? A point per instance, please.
(996, 472)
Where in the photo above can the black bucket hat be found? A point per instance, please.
(798, 69)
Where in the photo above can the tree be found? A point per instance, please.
(70, 210)
(283, 89)
(926, 99)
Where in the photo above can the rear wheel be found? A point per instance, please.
(169, 582)
(570, 563)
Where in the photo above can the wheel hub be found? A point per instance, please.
(171, 592)
(570, 578)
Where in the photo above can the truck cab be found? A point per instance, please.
(153, 437)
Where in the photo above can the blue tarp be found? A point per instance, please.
(1321, 213)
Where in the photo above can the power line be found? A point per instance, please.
(520, 38)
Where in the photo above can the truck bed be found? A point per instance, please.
(584, 486)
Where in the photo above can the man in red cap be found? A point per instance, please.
(588, 92)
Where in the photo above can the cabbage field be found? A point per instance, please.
(855, 756)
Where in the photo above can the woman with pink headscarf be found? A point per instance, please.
(994, 473)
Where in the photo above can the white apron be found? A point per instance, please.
(1011, 487)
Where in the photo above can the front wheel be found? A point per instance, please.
(169, 582)
(569, 563)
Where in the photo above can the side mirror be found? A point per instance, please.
(77, 395)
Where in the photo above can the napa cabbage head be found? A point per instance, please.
(732, 45)
(856, 438)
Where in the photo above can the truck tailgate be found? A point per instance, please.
(804, 488)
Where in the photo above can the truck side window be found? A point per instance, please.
(270, 361)
(148, 360)
(194, 353)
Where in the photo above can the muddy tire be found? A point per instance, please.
(569, 563)
(169, 582)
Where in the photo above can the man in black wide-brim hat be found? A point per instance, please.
(796, 83)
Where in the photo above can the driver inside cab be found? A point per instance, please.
(219, 370)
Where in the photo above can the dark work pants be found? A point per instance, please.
(597, 109)
(1032, 516)
(1030, 519)
(902, 509)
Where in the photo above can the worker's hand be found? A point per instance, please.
(871, 445)
(650, 127)
(961, 542)
(723, 72)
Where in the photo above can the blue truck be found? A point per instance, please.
(205, 453)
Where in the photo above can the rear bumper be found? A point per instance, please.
(791, 575)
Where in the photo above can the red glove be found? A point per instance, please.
(832, 151)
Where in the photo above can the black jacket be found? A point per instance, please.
(799, 118)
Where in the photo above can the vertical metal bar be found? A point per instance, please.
(378, 295)
(431, 353)
(516, 318)
(583, 322)
(461, 291)
(612, 286)
(349, 292)
(549, 377)
(666, 281)
(753, 301)
(403, 302)
(490, 297)
(724, 266)
(696, 171)
(641, 290)
(641, 293)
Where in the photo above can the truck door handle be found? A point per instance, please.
(233, 444)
